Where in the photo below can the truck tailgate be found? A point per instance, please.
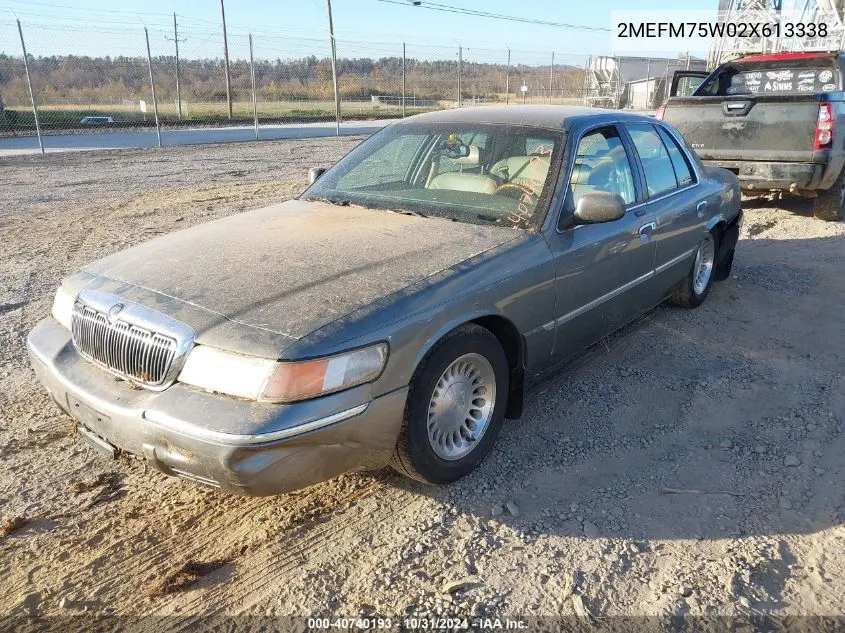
(773, 127)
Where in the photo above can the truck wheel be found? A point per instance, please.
(695, 288)
(455, 408)
(829, 204)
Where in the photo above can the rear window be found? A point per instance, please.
(784, 80)
(776, 79)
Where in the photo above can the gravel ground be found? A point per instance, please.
(690, 464)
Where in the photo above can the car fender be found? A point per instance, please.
(716, 219)
(447, 326)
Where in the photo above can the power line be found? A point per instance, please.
(99, 10)
(434, 6)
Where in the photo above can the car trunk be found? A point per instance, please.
(766, 108)
(775, 128)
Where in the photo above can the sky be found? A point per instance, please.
(298, 27)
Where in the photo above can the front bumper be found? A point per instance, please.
(240, 446)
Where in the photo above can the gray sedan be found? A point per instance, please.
(393, 313)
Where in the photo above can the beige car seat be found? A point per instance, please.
(523, 170)
(458, 181)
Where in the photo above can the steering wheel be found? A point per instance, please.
(514, 190)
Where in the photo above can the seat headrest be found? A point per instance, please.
(472, 160)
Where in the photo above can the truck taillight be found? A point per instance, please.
(660, 112)
(825, 127)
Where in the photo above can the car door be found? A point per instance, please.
(601, 269)
(676, 200)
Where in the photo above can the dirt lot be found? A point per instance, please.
(691, 464)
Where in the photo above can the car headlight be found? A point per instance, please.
(269, 380)
(63, 306)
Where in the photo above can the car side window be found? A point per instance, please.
(683, 170)
(655, 159)
(601, 164)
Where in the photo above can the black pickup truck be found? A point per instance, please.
(777, 121)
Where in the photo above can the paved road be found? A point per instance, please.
(190, 136)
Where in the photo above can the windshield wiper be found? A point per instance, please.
(340, 203)
(406, 212)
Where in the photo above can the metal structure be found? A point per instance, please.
(640, 83)
(829, 12)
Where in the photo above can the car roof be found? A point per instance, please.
(547, 116)
(783, 57)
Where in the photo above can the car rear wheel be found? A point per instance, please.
(455, 408)
(695, 288)
(830, 205)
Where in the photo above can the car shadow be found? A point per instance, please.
(785, 201)
(719, 422)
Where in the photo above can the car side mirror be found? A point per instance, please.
(599, 206)
(314, 173)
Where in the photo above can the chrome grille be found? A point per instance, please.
(122, 347)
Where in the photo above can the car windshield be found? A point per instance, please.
(475, 173)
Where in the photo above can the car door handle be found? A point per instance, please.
(701, 208)
(646, 229)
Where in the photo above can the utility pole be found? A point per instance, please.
(334, 68)
(29, 83)
(176, 40)
(460, 63)
(226, 60)
(403, 80)
(551, 77)
(508, 79)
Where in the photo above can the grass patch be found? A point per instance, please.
(68, 116)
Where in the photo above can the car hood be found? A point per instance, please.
(294, 267)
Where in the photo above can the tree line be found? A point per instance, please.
(81, 79)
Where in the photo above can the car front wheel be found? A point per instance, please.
(695, 288)
(455, 408)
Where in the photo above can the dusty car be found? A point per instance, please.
(393, 313)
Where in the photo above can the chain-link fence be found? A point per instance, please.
(98, 77)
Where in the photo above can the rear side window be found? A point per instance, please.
(657, 164)
(683, 171)
(539, 146)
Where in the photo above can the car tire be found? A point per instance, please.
(830, 204)
(696, 286)
(455, 407)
